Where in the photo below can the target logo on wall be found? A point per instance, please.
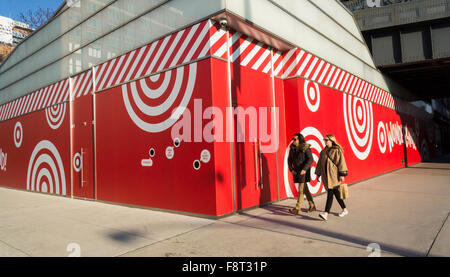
(55, 115)
(312, 95)
(156, 103)
(382, 137)
(18, 134)
(315, 139)
(358, 116)
(77, 162)
(45, 170)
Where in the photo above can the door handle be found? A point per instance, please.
(260, 165)
(82, 168)
(256, 165)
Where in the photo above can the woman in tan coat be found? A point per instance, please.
(332, 168)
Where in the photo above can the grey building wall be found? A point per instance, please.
(98, 30)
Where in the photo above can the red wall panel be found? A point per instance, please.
(35, 151)
(128, 131)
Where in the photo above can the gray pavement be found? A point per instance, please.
(405, 212)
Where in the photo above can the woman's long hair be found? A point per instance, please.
(301, 138)
(335, 142)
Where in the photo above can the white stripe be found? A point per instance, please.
(350, 80)
(358, 87)
(355, 83)
(252, 54)
(311, 67)
(17, 108)
(340, 79)
(127, 63)
(81, 91)
(366, 91)
(8, 108)
(273, 60)
(327, 67)
(187, 40)
(261, 59)
(67, 90)
(21, 103)
(2, 108)
(223, 49)
(105, 77)
(375, 95)
(383, 98)
(11, 111)
(366, 88)
(303, 65)
(18, 105)
(88, 88)
(241, 49)
(136, 62)
(172, 47)
(63, 91)
(54, 93)
(158, 55)
(346, 82)
(113, 76)
(41, 98)
(100, 70)
(24, 104)
(330, 75)
(196, 45)
(30, 103)
(49, 92)
(371, 92)
(380, 96)
(294, 63)
(78, 83)
(285, 60)
(361, 88)
(212, 41)
(319, 68)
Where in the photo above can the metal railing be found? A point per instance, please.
(403, 12)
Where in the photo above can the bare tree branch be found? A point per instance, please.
(35, 18)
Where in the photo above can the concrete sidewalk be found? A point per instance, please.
(405, 212)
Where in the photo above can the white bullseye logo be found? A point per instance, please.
(382, 137)
(156, 103)
(358, 116)
(315, 139)
(312, 95)
(77, 162)
(45, 170)
(18, 134)
(55, 115)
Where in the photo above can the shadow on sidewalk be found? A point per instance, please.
(348, 238)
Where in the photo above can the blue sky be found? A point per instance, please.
(11, 8)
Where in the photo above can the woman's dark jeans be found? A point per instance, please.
(336, 193)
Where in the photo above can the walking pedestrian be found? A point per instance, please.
(300, 160)
(332, 168)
